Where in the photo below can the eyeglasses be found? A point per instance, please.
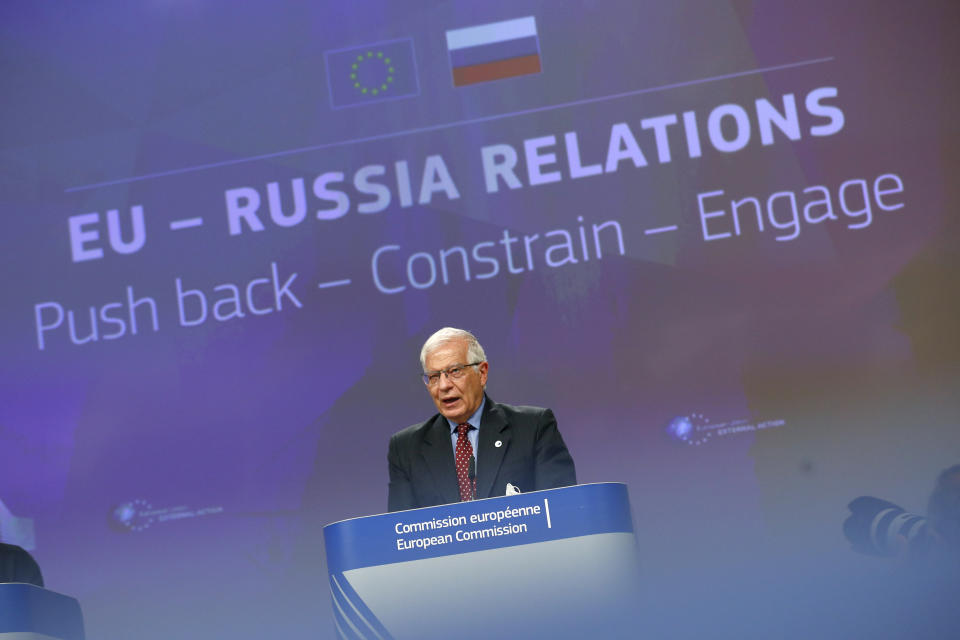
(457, 371)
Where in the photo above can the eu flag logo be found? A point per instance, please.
(372, 73)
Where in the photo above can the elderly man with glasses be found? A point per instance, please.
(474, 447)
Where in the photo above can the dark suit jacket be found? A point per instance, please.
(531, 456)
(16, 565)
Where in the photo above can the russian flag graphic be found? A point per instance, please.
(494, 51)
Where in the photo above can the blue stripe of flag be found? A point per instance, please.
(495, 51)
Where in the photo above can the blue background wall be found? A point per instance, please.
(178, 478)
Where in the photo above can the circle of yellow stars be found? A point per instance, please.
(372, 57)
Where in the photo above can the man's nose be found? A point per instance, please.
(445, 382)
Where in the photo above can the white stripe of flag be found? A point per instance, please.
(491, 32)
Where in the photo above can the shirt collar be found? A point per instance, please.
(474, 420)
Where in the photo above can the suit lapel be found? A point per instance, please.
(493, 428)
(439, 458)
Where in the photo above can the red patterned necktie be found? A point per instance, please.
(464, 453)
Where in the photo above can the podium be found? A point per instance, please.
(560, 563)
(28, 612)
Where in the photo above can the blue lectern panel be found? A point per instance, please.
(558, 563)
(28, 612)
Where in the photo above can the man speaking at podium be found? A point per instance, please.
(473, 448)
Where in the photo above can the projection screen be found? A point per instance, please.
(718, 239)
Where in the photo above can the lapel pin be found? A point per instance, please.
(498, 443)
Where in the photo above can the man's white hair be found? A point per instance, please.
(475, 352)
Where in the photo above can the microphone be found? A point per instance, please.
(472, 474)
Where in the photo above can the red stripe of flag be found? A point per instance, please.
(496, 70)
